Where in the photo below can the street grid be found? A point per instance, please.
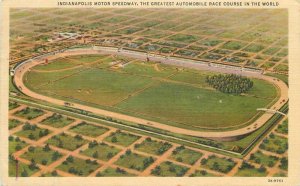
(270, 171)
(261, 38)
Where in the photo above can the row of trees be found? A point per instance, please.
(230, 83)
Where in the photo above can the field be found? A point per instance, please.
(88, 130)
(121, 138)
(29, 113)
(15, 144)
(12, 123)
(169, 169)
(67, 142)
(182, 154)
(218, 164)
(101, 151)
(78, 166)
(153, 147)
(111, 172)
(263, 159)
(25, 170)
(13, 105)
(134, 161)
(146, 89)
(116, 153)
(57, 121)
(32, 132)
(275, 144)
(247, 170)
(41, 155)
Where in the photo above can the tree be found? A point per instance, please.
(70, 159)
(172, 168)
(54, 173)
(24, 173)
(128, 152)
(60, 144)
(215, 166)
(46, 148)
(32, 165)
(114, 139)
(203, 161)
(41, 133)
(11, 138)
(31, 136)
(179, 159)
(31, 149)
(55, 155)
(262, 169)
(93, 144)
(18, 147)
(110, 155)
(44, 162)
(95, 154)
(230, 83)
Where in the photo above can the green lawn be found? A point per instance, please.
(87, 58)
(88, 129)
(13, 105)
(202, 173)
(67, 142)
(23, 169)
(32, 132)
(101, 151)
(283, 127)
(192, 76)
(57, 64)
(282, 68)
(185, 155)
(78, 166)
(29, 113)
(111, 172)
(12, 123)
(274, 143)
(121, 138)
(153, 147)
(15, 144)
(218, 164)
(282, 77)
(148, 69)
(284, 163)
(134, 161)
(191, 108)
(262, 89)
(260, 158)
(254, 48)
(280, 174)
(51, 174)
(233, 45)
(184, 38)
(94, 86)
(41, 155)
(250, 172)
(169, 169)
(142, 90)
(57, 121)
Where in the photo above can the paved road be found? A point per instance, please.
(19, 73)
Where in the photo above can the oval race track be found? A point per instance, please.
(22, 68)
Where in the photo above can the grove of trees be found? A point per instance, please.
(230, 83)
